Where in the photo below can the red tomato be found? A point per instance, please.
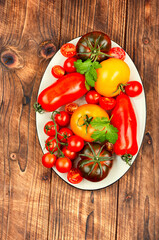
(68, 50)
(62, 118)
(92, 97)
(70, 108)
(133, 89)
(57, 71)
(49, 128)
(75, 143)
(64, 134)
(51, 144)
(63, 164)
(48, 160)
(69, 65)
(71, 155)
(74, 176)
(107, 103)
(117, 52)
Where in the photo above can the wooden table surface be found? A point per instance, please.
(34, 202)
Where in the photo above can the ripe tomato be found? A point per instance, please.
(133, 89)
(64, 134)
(71, 155)
(107, 103)
(63, 164)
(69, 65)
(70, 108)
(62, 118)
(75, 143)
(58, 71)
(68, 50)
(49, 128)
(92, 97)
(51, 145)
(82, 116)
(48, 160)
(117, 52)
(74, 176)
(113, 74)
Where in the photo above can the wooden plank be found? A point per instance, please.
(77, 214)
(24, 182)
(138, 211)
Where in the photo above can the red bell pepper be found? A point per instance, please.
(124, 119)
(65, 90)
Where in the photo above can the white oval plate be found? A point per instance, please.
(119, 167)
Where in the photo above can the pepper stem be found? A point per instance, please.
(38, 108)
(127, 158)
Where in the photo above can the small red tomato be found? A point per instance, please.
(71, 155)
(74, 176)
(49, 128)
(117, 52)
(75, 143)
(68, 50)
(62, 118)
(63, 164)
(69, 65)
(92, 97)
(70, 108)
(133, 89)
(48, 160)
(107, 103)
(58, 71)
(64, 134)
(51, 145)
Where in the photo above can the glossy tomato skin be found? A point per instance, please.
(64, 134)
(69, 65)
(133, 89)
(70, 154)
(107, 103)
(65, 90)
(75, 143)
(57, 71)
(51, 144)
(62, 118)
(77, 120)
(49, 128)
(92, 97)
(70, 108)
(68, 50)
(89, 168)
(110, 76)
(117, 52)
(91, 43)
(48, 160)
(63, 164)
(74, 176)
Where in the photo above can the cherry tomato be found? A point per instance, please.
(75, 143)
(48, 160)
(133, 89)
(71, 155)
(58, 71)
(51, 144)
(117, 52)
(92, 97)
(63, 164)
(64, 134)
(74, 176)
(69, 65)
(68, 50)
(49, 128)
(107, 103)
(70, 108)
(62, 118)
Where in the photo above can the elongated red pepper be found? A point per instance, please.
(124, 119)
(65, 90)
